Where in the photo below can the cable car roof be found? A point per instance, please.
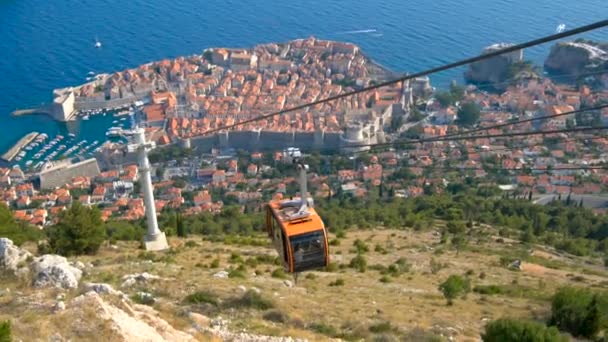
(283, 211)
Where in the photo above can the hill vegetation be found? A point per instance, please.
(388, 254)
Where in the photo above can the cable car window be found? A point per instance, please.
(308, 250)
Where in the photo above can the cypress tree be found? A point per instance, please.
(181, 232)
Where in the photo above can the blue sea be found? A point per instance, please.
(49, 44)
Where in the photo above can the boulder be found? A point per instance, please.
(200, 320)
(59, 306)
(79, 265)
(54, 270)
(100, 288)
(256, 290)
(137, 278)
(221, 274)
(11, 256)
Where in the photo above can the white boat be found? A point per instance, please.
(97, 43)
(86, 117)
(28, 163)
(90, 73)
(114, 132)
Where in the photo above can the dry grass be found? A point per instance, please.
(410, 301)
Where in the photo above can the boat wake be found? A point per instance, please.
(359, 31)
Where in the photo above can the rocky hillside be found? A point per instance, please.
(382, 284)
(577, 57)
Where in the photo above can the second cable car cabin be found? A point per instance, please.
(297, 232)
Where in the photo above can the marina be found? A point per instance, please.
(77, 139)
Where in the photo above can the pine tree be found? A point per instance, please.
(530, 196)
(568, 199)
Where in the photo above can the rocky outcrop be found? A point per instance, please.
(101, 288)
(495, 70)
(12, 257)
(128, 322)
(219, 327)
(56, 271)
(137, 278)
(577, 57)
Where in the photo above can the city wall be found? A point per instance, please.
(81, 104)
(268, 140)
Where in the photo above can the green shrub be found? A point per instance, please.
(235, 258)
(311, 276)
(331, 267)
(5, 331)
(143, 298)
(399, 267)
(268, 259)
(202, 297)
(334, 242)
(341, 234)
(324, 329)
(454, 286)
(419, 334)
(337, 282)
(215, 263)
(487, 289)
(511, 330)
(236, 273)
(191, 244)
(382, 327)
(253, 300)
(360, 246)
(359, 263)
(276, 316)
(436, 266)
(279, 273)
(580, 311)
(80, 230)
(385, 279)
(379, 249)
(123, 231)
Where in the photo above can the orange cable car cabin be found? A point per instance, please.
(298, 235)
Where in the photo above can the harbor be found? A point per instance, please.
(77, 139)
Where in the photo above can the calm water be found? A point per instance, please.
(49, 44)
